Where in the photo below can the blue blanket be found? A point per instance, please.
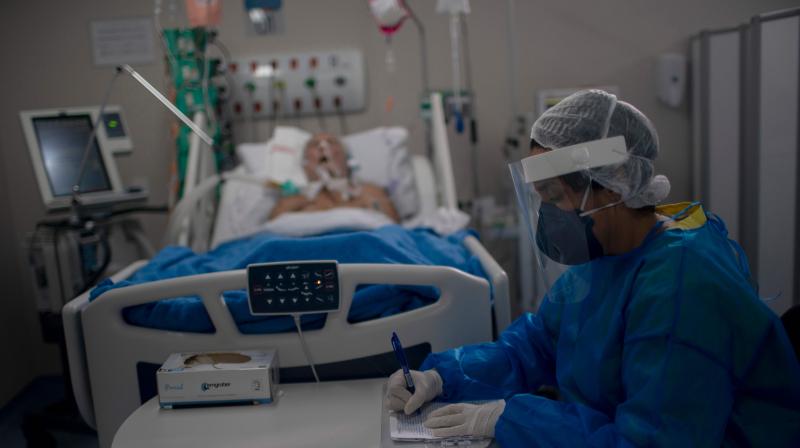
(390, 244)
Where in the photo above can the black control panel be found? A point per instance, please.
(293, 288)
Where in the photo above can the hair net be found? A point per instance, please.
(594, 114)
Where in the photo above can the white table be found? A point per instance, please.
(347, 414)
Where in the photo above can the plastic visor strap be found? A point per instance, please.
(574, 158)
(594, 210)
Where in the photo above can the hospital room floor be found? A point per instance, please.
(36, 397)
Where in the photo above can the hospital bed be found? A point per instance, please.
(112, 362)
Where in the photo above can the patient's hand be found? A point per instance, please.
(294, 203)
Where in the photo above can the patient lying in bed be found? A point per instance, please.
(331, 184)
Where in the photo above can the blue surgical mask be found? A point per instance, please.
(566, 236)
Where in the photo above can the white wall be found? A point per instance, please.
(17, 323)
(47, 63)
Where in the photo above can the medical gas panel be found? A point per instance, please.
(297, 84)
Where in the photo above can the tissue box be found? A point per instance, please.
(216, 378)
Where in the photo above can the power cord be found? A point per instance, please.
(296, 318)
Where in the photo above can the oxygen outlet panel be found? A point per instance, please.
(297, 84)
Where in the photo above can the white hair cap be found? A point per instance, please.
(594, 114)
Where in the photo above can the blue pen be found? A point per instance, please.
(401, 358)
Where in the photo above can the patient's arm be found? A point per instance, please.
(371, 197)
(294, 203)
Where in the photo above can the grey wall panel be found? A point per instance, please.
(722, 174)
(697, 88)
(779, 52)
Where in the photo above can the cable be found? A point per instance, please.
(173, 64)
(222, 48)
(423, 49)
(511, 42)
(342, 121)
(76, 187)
(142, 209)
(95, 276)
(426, 88)
(226, 62)
(296, 318)
(321, 121)
(251, 121)
(58, 265)
(209, 36)
(473, 123)
(317, 109)
(467, 63)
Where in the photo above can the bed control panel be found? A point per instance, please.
(295, 287)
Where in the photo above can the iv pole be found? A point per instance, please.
(426, 87)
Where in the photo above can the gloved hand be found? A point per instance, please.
(465, 419)
(427, 386)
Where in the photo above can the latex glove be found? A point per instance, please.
(427, 386)
(465, 419)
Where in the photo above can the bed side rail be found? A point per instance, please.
(426, 185)
(463, 299)
(499, 281)
(76, 351)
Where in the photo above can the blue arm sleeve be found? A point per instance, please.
(694, 344)
(682, 399)
(520, 361)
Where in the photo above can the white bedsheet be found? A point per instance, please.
(315, 223)
(299, 224)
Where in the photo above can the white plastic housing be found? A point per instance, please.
(671, 78)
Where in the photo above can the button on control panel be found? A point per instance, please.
(293, 287)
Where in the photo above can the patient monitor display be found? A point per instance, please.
(57, 143)
(293, 288)
(62, 140)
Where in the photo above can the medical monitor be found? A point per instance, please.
(57, 141)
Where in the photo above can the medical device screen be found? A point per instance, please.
(291, 288)
(62, 141)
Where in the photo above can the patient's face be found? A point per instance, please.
(325, 151)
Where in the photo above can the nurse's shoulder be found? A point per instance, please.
(694, 287)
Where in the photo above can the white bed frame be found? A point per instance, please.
(104, 350)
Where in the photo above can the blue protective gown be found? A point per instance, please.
(670, 347)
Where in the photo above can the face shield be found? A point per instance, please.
(557, 200)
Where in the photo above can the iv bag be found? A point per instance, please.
(203, 12)
(389, 14)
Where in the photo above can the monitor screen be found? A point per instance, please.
(62, 140)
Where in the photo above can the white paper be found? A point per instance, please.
(410, 428)
(124, 41)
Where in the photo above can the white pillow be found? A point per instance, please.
(383, 159)
(252, 156)
(280, 158)
(243, 208)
